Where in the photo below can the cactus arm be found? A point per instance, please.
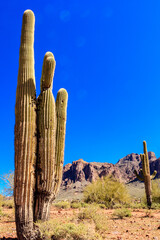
(143, 164)
(61, 110)
(25, 131)
(48, 71)
(46, 135)
(138, 176)
(146, 160)
(154, 174)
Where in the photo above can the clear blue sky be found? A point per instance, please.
(107, 57)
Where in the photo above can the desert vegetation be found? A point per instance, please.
(107, 191)
(82, 221)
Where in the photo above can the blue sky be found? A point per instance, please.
(107, 57)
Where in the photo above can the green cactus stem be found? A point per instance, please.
(51, 126)
(46, 135)
(61, 107)
(145, 175)
(25, 132)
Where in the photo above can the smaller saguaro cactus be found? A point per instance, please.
(145, 175)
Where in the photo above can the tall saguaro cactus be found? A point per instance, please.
(39, 137)
(25, 130)
(145, 175)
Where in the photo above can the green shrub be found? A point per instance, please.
(8, 203)
(108, 191)
(56, 230)
(92, 213)
(121, 213)
(62, 204)
(156, 191)
(1, 200)
(140, 205)
(84, 204)
(87, 213)
(1, 212)
(155, 205)
(76, 205)
(101, 205)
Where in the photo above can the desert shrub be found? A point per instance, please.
(1, 212)
(8, 203)
(155, 205)
(139, 205)
(76, 205)
(56, 230)
(122, 212)
(108, 191)
(62, 204)
(148, 213)
(156, 191)
(87, 213)
(1, 200)
(84, 204)
(92, 213)
(101, 205)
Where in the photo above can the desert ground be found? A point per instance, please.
(143, 224)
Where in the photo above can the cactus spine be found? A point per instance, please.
(39, 137)
(146, 177)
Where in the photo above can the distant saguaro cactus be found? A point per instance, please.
(39, 137)
(145, 175)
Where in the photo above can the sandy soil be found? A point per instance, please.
(136, 227)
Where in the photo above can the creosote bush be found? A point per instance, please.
(108, 191)
(56, 230)
(121, 213)
(92, 213)
(8, 203)
(75, 205)
(62, 204)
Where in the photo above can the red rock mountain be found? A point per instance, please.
(84, 172)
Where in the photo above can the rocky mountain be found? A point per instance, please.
(80, 173)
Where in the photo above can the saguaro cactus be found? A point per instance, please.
(25, 131)
(145, 175)
(39, 137)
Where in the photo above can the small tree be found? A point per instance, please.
(8, 180)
